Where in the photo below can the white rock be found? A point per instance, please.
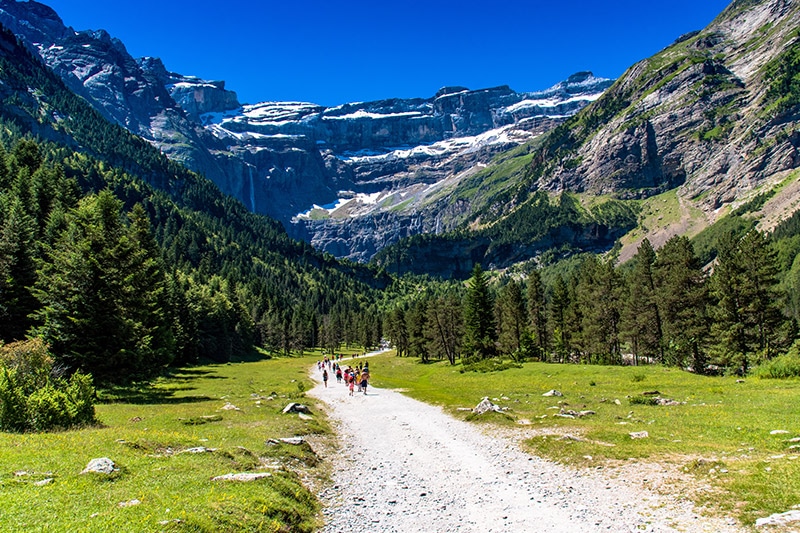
(242, 476)
(778, 432)
(199, 449)
(129, 503)
(553, 392)
(103, 465)
(639, 434)
(779, 519)
(485, 406)
(44, 482)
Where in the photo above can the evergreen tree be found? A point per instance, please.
(682, 299)
(479, 325)
(641, 321)
(748, 320)
(511, 319)
(444, 327)
(559, 309)
(597, 296)
(95, 289)
(416, 320)
(537, 314)
(17, 272)
(396, 329)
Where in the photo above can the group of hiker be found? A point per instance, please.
(356, 379)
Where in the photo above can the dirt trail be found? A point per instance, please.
(406, 466)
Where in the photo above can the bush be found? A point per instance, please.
(489, 365)
(785, 366)
(33, 396)
(643, 400)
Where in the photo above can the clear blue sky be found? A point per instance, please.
(331, 52)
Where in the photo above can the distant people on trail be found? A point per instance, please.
(355, 378)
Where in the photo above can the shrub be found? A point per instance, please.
(33, 395)
(785, 366)
(489, 365)
(643, 400)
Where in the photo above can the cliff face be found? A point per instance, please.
(285, 158)
(701, 115)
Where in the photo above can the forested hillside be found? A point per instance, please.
(125, 262)
(662, 307)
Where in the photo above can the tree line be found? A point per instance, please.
(120, 280)
(663, 307)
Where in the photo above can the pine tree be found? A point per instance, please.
(748, 320)
(641, 321)
(101, 296)
(511, 319)
(559, 309)
(444, 327)
(537, 314)
(416, 320)
(479, 325)
(17, 272)
(682, 299)
(397, 330)
(597, 296)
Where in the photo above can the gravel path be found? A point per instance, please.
(406, 466)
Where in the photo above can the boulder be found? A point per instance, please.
(779, 519)
(296, 408)
(485, 406)
(102, 465)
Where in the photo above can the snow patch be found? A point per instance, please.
(360, 114)
(360, 198)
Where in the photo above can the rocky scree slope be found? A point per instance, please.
(354, 173)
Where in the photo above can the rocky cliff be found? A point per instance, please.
(373, 162)
(714, 116)
(681, 139)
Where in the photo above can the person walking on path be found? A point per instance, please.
(364, 380)
(325, 377)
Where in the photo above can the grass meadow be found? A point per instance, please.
(145, 430)
(734, 435)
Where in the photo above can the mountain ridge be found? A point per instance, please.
(284, 158)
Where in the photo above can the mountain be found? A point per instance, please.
(228, 279)
(369, 164)
(681, 139)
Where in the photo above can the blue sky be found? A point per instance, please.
(331, 52)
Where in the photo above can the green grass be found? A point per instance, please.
(143, 429)
(722, 433)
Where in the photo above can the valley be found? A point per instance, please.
(585, 297)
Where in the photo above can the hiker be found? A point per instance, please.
(325, 377)
(338, 374)
(364, 380)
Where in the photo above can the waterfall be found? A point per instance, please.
(252, 190)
